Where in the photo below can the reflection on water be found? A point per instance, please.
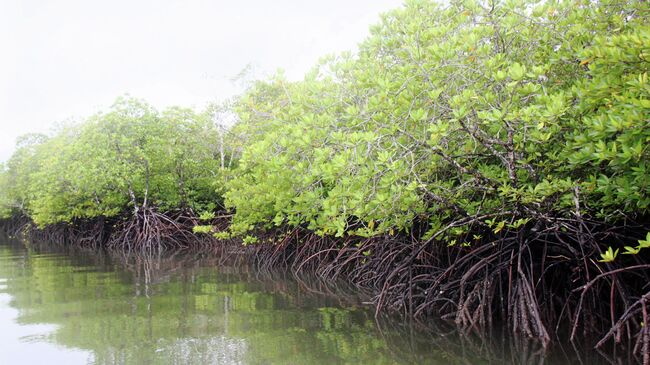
(75, 307)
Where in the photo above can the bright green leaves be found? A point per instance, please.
(641, 245)
(516, 71)
(128, 156)
(334, 172)
(203, 229)
(455, 106)
(438, 130)
(249, 240)
(609, 255)
(419, 115)
(611, 136)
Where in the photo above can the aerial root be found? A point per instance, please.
(540, 284)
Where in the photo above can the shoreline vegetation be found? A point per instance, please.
(481, 162)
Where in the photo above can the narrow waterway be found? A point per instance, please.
(65, 306)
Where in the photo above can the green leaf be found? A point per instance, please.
(609, 255)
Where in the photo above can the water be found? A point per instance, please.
(63, 306)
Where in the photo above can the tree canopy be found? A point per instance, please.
(500, 111)
(473, 112)
(128, 157)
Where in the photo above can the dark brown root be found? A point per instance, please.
(542, 284)
(149, 229)
(15, 226)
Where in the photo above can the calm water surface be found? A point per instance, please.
(86, 307)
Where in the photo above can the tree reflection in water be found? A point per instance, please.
(196, 307)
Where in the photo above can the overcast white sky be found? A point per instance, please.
(62, 59)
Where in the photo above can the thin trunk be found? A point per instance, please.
(146, 183)
(133, 200)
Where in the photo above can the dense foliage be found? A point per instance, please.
(498, 111)
(127, 158)
(516, 132)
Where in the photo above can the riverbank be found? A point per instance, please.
(540, 283)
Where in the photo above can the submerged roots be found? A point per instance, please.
(149, 229)
(540, 284)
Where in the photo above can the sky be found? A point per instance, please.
(67, 59)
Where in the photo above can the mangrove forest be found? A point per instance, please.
(482, 162)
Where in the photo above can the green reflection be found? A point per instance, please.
(170, 310)
(188, 310)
